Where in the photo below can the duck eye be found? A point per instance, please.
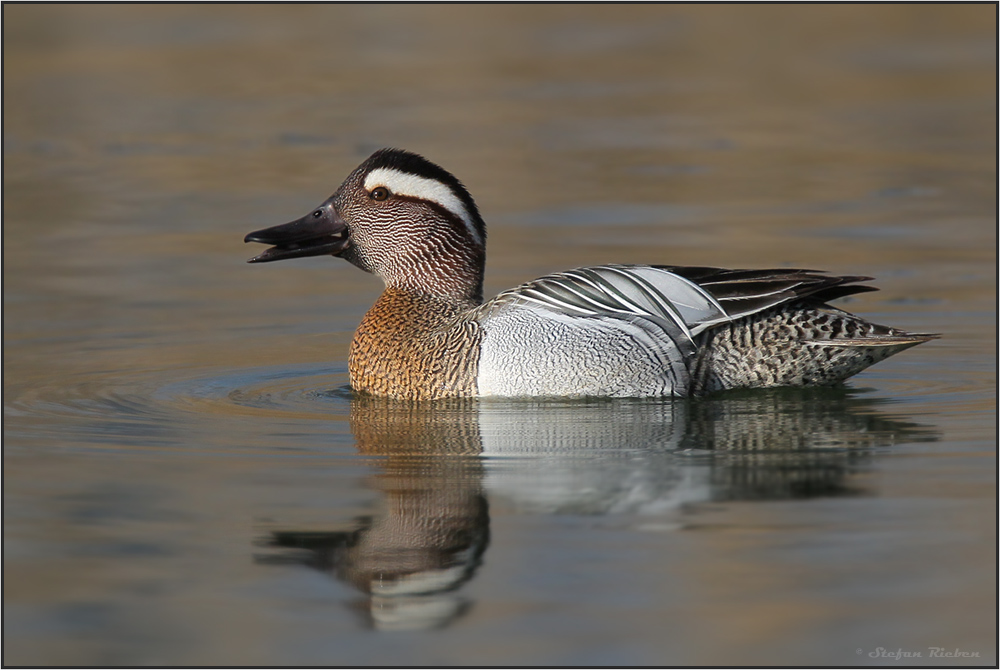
(379, 193)
(318, 213)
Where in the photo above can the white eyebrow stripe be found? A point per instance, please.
(411, 185)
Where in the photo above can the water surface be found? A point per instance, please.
(189, 480)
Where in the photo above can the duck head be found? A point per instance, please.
(400, 217)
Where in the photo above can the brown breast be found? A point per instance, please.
(415, 346)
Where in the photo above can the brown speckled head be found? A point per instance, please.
(413, 224)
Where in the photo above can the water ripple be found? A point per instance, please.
(165, 407)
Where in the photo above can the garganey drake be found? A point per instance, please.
(608, 330)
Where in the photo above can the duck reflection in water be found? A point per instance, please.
(655, 460)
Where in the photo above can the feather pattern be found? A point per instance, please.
(744, 292)
(689, 299)
(664, 314)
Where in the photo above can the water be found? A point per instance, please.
(188, 479)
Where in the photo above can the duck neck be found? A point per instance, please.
(453, 279)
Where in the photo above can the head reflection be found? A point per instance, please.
(651, 459)
(432, 528)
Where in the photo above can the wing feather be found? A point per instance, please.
(682, 301)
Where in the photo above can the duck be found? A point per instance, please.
(603, 331)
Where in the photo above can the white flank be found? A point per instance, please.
(403, 183)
